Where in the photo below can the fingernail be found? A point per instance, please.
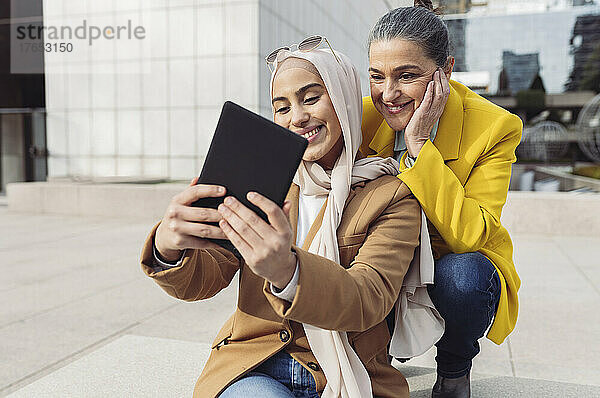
(228, 200)
(251, 195)
(220, 189)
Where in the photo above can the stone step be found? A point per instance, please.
(139, 366)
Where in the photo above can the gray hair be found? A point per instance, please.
(419, 24)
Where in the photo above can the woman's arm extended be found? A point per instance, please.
(466, 216)
(202, 273)
(355, 299)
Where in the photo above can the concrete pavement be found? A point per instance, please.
(75, 301)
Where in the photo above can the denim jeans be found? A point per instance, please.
(466, 293)
(279, 377)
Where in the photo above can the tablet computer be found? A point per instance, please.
(250, 153)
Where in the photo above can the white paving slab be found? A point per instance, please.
(131, 366)
(73, 284)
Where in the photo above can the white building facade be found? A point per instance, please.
(147, 108)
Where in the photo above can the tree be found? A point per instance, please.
(590, 79)
(503, 88)
(537, 83)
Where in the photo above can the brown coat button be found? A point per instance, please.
(313, 366)
(284, 336)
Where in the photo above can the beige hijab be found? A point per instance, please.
(346, 375)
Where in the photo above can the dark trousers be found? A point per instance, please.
(466, 293)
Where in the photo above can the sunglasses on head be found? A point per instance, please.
(308, 44)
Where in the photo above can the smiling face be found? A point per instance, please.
(399, 72)
(302, 104)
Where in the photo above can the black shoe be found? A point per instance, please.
(452, 388)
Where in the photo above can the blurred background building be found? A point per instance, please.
(456, 6)
(146, 109)
(520, 70)
(481, 37)
(18, 94)
(585, 44)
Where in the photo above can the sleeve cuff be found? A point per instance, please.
(163, 265)
(289, 291)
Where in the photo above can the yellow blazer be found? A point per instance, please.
(377, 237)
(461, 181)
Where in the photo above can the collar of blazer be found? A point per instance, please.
(447, 139)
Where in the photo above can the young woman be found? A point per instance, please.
(317, 280)
(455, 151)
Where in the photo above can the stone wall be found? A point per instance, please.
(555, 214)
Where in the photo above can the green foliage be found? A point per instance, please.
(537, 83)
(588, 171)
(531, 100)
(590, 79)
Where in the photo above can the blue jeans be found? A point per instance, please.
(466, 293)
(279, 377)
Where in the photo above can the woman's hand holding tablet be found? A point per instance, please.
(265, 246)
(262, 244)
(184, 226)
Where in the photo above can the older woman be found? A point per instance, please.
(317, 280)
(455, 149)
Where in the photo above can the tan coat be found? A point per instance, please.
(377, 238)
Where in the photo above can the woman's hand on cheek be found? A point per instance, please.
(427, 114)
(266, 247)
